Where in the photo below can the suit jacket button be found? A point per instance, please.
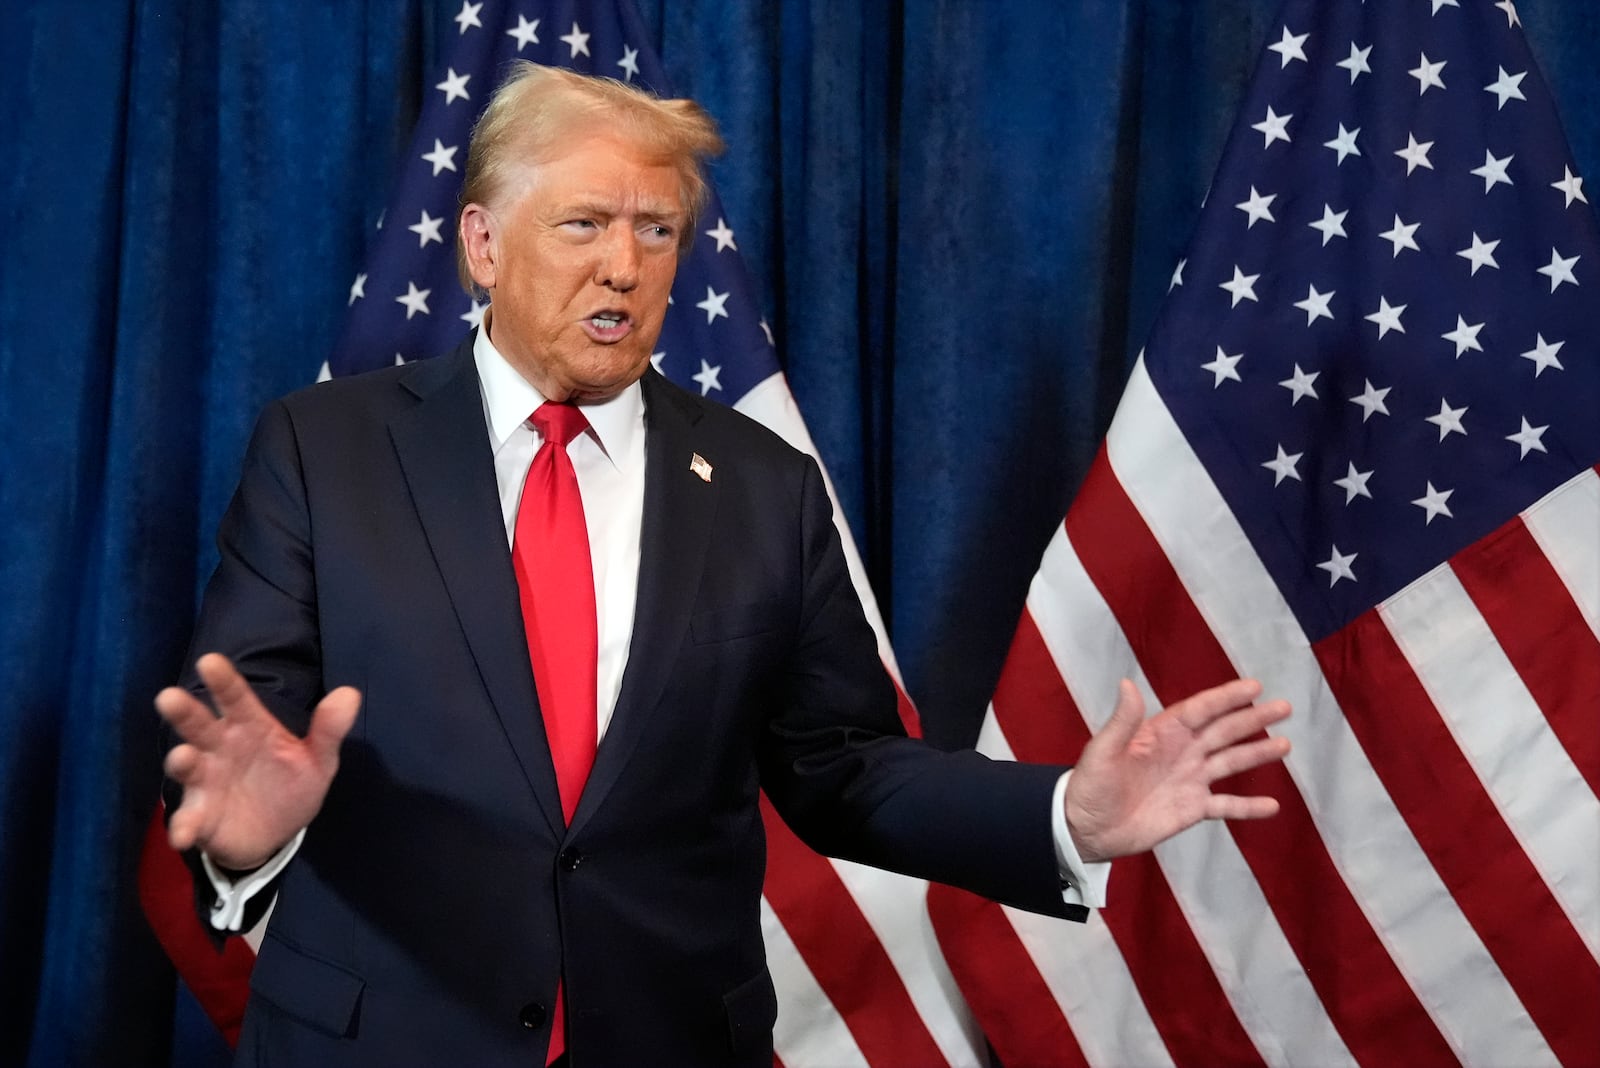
(569, 859)
(532, 1015)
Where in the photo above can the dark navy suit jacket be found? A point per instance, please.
(438, 897)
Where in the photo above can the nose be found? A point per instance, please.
(618, 265)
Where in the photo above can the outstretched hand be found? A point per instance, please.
(1141, 781)
(249, 783)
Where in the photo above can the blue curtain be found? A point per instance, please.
(963, 216)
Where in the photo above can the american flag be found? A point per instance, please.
(859, 975)
(1355, 461)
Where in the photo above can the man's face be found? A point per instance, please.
(578, 258)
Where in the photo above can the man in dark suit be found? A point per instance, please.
(449, 889)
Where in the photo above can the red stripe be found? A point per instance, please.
(219, 980)
(1000, 982)
(843, 952)
(1534, 618)
(1180, 990)
(1459, 828)
(1369, 1002)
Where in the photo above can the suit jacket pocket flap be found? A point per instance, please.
(734, 621)
(752, 1010)
(318, 992)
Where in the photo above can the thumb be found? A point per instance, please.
(334, 716)
(1125, 718)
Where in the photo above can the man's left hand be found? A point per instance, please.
(1140, 781)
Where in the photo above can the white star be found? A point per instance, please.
(1427, 74)
(1437, 4)
(1415, 155)
(1481, 254)
(707, 378)
(655, 361)
(443, 159)
(1257, 207)
(1571, 185)
(399, 360)
(1387, 317)
(473, 316)
(1357, 63)
(1510, 8)
(1560, 269)
(467, 17)
(1435, 503)
(1345, 143)
(454, 86)
(358, 289)
(1332, 224)
(1528, 437)
(1402, 235)
(1448, 420)
(1507, 87)
(1354, 484)
(1464, 336)
(1290, 47)
(426, 229)
(1274, 127)
(1493, 171)
(1177, 275)
(722, 235)
(577, 40)
(767, 330)
(1315, 305)
(415, 300)
(713, 305)
(1224, 366)
(629, 63)
(1338, 567)
(1543, 354)
(1282, 466)
(1301, 385)
(1371, 400)
(1243, 286)
(526, 33)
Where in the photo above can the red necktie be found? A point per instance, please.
(555, 579)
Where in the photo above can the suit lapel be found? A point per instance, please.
(678, 510)
(444, 452)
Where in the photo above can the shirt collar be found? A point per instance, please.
(508, 400)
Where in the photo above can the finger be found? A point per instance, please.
(182, 763)
(185, 827)
(232, 695)
(1240, 758)
(1234, 807)
(1242, 723)
(1199, 710)
(334, 716)
(188, 715)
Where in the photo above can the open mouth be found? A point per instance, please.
(607, 326)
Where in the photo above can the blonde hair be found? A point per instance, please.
(536, 106)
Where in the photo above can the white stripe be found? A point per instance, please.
(1412, 912)
(1505, 737)
(809, 1033)
(1566, 524)
(1213, 885)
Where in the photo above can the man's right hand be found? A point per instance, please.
(249, 783)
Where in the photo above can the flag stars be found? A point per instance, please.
(1223, 367)
(1371, 400)
(1258, 207)
(1510, 8)
(1338, 567)
(629, 63)
(467, 17)
(1427, 74)
(722, 236)
(1243, 286)
(1177, 275)
(1528, 438)
(442, 158)
(1274, 127)
(1300, 385)
(1290, 47)
(767, 330)
(1331, 225)
(655, 361)
(525, 32)
(1437, 4)
(1559, 269)
(1282, 466)
(1571, 185)
(415, 300)
(1507, 87)
(1316, 305)
(1345, 143)
(1415, 154)
(1493, 171)
(1387, 317)
(1402, 235)
(713, 305)
(1465, 337)
(358, 289)
(454, 86)
(1354, 484)
(1357, 64)
(1481, 254)
(1435, 502)
(427, 229)
(473, 316)
(706, 378)
(1543, 354)
(1448, 420)
(577, 40)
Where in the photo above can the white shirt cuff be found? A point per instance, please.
(1081, 883)
(227, 911)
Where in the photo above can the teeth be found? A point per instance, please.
(605, 321)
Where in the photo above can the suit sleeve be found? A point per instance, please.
(837, 765)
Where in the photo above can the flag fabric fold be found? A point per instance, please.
(1357, 461)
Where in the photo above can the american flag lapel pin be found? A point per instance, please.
(699, 466)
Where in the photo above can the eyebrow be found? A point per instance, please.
(609, 208)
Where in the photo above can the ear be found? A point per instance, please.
(480, 232)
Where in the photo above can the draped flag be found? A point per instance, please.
(859, 975)
(1356, 461)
